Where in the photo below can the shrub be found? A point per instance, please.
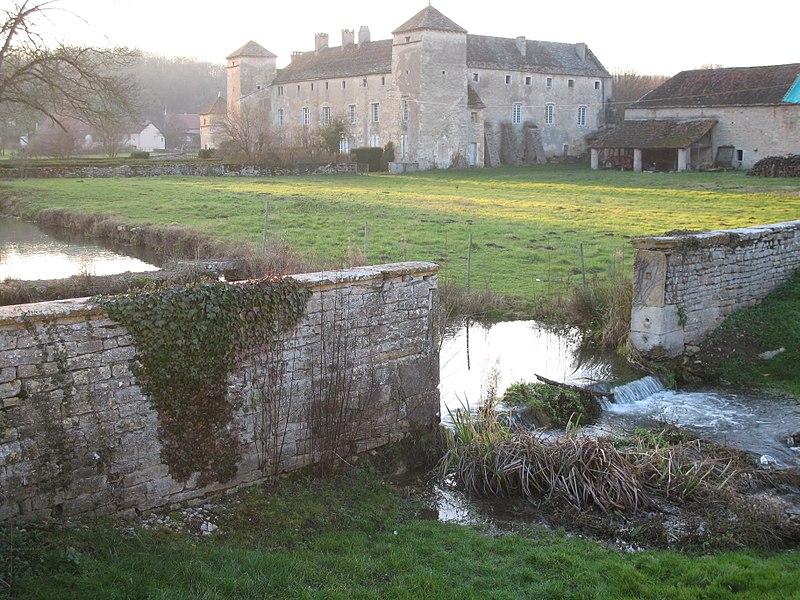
(206, 153)
(371, 156)
(140, 155)
(551, 405)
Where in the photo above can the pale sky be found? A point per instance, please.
(658, 38)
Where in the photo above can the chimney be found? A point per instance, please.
(580, 50)
(522, 45)
(295, 54)
(348, 37)
(363, 35)
(320, 41)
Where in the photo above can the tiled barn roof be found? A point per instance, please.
(741, 86)
(655, 134)
(541, 57)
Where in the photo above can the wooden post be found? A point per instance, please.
(366, 242)
(583, 267)
(266, 222)
(469, 263)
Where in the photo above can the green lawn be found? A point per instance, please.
(353, 537)
(528, 223)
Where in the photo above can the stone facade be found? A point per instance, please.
(684, 286)
(79, 437)
(439, 94)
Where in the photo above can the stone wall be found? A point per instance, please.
(155, 169)
(685, 285)
(78, 436)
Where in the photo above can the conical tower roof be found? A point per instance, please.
(429, 19)
(252, 49)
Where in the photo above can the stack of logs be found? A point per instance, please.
(777, 166)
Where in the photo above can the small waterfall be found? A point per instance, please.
(637, 390)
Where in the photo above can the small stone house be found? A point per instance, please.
(728, 117)
(442, 96)
(212, 119)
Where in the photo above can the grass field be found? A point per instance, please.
(353, 537)
(528, 224)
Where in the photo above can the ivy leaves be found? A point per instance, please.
(189, 339)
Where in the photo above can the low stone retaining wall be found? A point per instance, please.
(685, 285)
(79, 437)
(151, 170)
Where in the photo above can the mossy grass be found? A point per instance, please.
(734, 353)
(527, 223)
(552, 406)
(353, 536)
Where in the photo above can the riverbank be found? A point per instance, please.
(357, 536)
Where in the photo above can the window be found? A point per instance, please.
(364, 82)
(376, 112)
(476, 77)
(581, 116)
(565, 150)
(597, 85)
(549, 82)
(406, 111)
(351, 112)
(570, 83)
(740, 155)
(404, 145)
(344, 84)
(326, 116)
(280, 116)
(516, 113)
(549, 113)
(312, 86)
(306, 116)
(375, 141)
(383, 80)
(298, 89)
(326, 84)
(528, 80)
(280, 90)
(474, 116)
(508, 79)
(344, 145)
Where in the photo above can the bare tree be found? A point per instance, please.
(629, 86)
(77, 81)
(246, 135)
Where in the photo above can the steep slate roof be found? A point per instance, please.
(741, 86)
(341, 61)
(485, 52)
(251, 49)
(216, 106)
(655, 134)
(429, 19)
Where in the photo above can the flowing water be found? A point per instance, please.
(477, 357)
(27, 252)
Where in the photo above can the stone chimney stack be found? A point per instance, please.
(363, 35)
(580, 50)
(295, 54)
(522, 45)
(348, 37)
(320, 41)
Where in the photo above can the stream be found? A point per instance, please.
(27, 252)
(476, 357)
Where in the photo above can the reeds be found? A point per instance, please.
(488, 457)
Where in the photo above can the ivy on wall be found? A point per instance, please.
(189, 339)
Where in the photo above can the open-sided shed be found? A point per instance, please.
(657, 145)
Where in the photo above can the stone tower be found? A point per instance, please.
(429, 60)
(250, 69)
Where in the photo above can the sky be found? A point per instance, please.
(650, 38)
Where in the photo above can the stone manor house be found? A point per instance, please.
(442, 96)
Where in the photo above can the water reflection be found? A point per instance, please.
(477, 356)
(26, 252)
